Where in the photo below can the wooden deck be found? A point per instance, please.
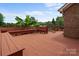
(37, 44)
(47, 44)
(40, 45)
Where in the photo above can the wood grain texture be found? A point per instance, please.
(8, 45)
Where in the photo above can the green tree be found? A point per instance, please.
(33, 21)
(43, 23)
(60, 21)
(1, 19)
(32, 18)
(10, 25)
(53, 21)
(19, 21)
(49, 24)
(27, 21)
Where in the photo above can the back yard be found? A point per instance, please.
(35, 30)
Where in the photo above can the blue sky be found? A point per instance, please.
(41, 11)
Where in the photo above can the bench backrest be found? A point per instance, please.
(43, 29)
(21, 32)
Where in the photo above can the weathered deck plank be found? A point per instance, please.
(9, 47)
(10, 44)
(18, 46)
(5, 49)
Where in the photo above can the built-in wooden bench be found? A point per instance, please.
(21, 32)
(9, 47)
(16, 32)
(43, 29)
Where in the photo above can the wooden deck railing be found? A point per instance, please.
(28, 31)
(42, 29)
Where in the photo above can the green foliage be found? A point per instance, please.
(49, 25)
(19, 21)
(1, 19)
(60, 21)
(32, 18)
(42, 23)
(53, 21)
(10, 24)
(33, 21)
(27, 20)
(36, 25)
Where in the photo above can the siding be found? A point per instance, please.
(71, 21)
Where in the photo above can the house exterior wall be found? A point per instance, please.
(71, 21)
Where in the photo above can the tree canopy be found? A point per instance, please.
(19, 21)
(31, 21)
(1, 19)
(53, 21)
(60, 21)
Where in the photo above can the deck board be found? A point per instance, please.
(8, 45)
(40, 45)
(5, 49)
(47, 44)
(11, 45)
(16, 44)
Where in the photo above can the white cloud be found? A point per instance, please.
(52, 6)
(41, 15)
(38, 13)
(44, 19)
(49, 4)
